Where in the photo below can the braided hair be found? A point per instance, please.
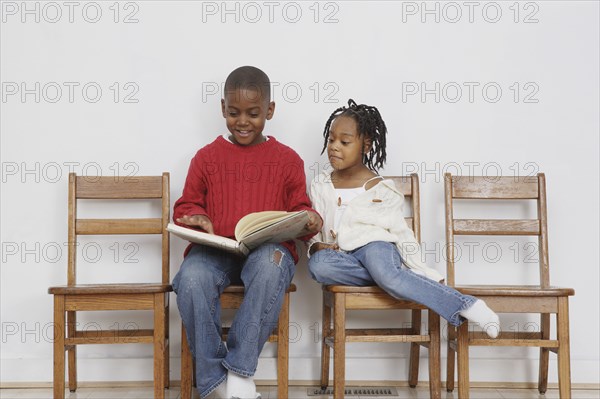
(370, 125)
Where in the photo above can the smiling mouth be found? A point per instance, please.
(244, 133)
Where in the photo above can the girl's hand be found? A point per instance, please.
(201, 221)
(314, 222)
(318, 246)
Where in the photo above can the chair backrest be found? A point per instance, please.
(497, 188)
(118, 188)
(409, 186)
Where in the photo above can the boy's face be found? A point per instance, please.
(245, 112)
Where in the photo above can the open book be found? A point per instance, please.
(251, 231)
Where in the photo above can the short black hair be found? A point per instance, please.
(370, 125)
(250, 78)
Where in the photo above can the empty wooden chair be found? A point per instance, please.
(337, 299)
(232, 298)
(542, 299)
(73, 297)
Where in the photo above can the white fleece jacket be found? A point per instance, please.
(375, 215)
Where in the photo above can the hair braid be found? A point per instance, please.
(370, 125)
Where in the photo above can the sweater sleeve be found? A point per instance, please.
(193, 199)
(296, 197)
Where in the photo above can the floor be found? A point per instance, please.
(296, 392)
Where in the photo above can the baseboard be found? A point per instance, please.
(300, 383)
(359, 370)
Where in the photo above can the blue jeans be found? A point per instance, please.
(204, 274)
(380, 263)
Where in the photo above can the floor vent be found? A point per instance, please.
(355, 391)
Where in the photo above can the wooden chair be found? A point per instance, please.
(232, 298)
(339, 298)
(75, 297)
(543, 298)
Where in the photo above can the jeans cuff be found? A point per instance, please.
(241, 372)
(213, 386)
(456, 319)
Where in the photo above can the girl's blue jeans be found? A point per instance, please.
(380, 263)
(205, 272)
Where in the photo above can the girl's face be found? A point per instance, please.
(345, 147)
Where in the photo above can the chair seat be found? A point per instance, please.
(514, 290)
(94, 289)
(371, 289)
(239, 289)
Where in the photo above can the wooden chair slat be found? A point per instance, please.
(539, 343)
(380, 335)
(119, 187)
(92, 302)
(373, 289)
(375, 301)
(488, 187)
(140, 336)
(118, 226)
(521, 304)
(504, 227)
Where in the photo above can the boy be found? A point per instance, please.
(238, 173)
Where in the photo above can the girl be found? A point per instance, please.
(365, 239)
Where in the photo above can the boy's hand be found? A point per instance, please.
(317, 246)
(201, 221)
(314, 223)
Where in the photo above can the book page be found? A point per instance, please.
(256, 221)
(285, 229)
(210, 240)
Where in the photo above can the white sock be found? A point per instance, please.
(220, 392)
(241, 387)
(481, 314)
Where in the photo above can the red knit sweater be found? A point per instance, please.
(227, 181)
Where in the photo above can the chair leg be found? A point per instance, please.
(462, 349)
(339, 345)
(326, 331)
(166, 353)
(450, 359)
(564, 356)
(413, 373)
(194, 382)
(283, 348)
(544, 354)
(59, 346)
(72, 351)
(435, 388)
(159, 346)
(186, 366)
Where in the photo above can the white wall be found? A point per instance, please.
(173, 55)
